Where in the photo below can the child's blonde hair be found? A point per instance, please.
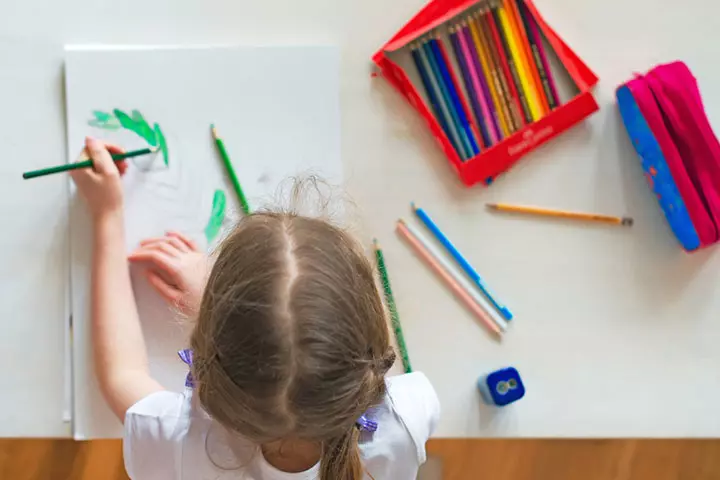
(291, 339)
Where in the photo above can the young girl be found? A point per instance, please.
(289, 352)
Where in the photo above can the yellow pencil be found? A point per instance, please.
(484, 61)
(547, 212)
(520, 62)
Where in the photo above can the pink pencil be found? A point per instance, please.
(447, 277)
(478, 88)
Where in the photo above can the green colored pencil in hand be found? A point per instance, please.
(117, 157)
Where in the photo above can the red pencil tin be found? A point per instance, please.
(490, 163)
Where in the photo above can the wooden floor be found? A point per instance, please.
(449, 460)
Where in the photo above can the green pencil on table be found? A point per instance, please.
(85, 164)
(390, 300)
(230, 171)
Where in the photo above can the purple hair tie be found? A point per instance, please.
(364, 424)
(187, 357)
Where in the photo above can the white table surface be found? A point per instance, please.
(616, 331)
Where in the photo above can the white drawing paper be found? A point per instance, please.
(277, 110)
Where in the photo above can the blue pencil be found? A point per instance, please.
(465, 151)
(430, 93)
(454, 96)
(464, 264)
(465, 70)
(454, 135)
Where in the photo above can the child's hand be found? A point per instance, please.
(177, 269)
(100, 186)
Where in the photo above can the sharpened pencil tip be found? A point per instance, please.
(214, 131)
(154, 149)
(627, 222)
(413, 206)
(491, 206)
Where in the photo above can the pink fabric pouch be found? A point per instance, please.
(666, 121)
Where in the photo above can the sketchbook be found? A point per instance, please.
(277, 110)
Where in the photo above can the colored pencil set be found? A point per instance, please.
(506, 80)
(465, 282)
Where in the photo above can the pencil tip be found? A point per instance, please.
(627, 222)
(413, 206)
(154, 149)
(491, 206)
(214, 131)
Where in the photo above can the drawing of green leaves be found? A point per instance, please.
(217, 216)
(162, 144)
(104, 120)
(137, 124)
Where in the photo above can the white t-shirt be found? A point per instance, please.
(169, 437)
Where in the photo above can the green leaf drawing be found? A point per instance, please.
(104, 120)
(163, 144)
(137, 125)
(217, 216)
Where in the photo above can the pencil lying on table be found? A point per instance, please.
(547, 212)
(390, 301)
(117, 157)
(460, 287)
(242, 199)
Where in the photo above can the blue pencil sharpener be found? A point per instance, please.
(502, 387)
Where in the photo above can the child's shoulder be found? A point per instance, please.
(406, 418)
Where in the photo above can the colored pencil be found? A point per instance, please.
(244, 205)
(460, 287)
(390, 301)
(458, 102)
(512, 5)
(522, 99)
(473, 133)
(117, 157)
(541, 62)
(472, 58)
(517, 52)
(546, 212)
(504, 92)
(483, 138)
(489, 77)
(508, 83)
(431, 93)
(460, 259)
(436, 64)
(454, 134)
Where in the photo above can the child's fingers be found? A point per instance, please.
(185, 239)
(156, 258)
(168, 292)
(102, 161)
(176, 246)
(122, 167)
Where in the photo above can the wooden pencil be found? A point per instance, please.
(527, 52)
(504, 37)
(503, 88)
(456, 96)
(547, 212)
(432, 95)
(517, 51)
(508, 83)
(452, 128)
(489, 77)
(390, 302)
(117, 157)
(470, 87)
(539, 56)
(479, 80)
(451, 278)
(244, 205)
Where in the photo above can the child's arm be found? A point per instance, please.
(119, 353)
